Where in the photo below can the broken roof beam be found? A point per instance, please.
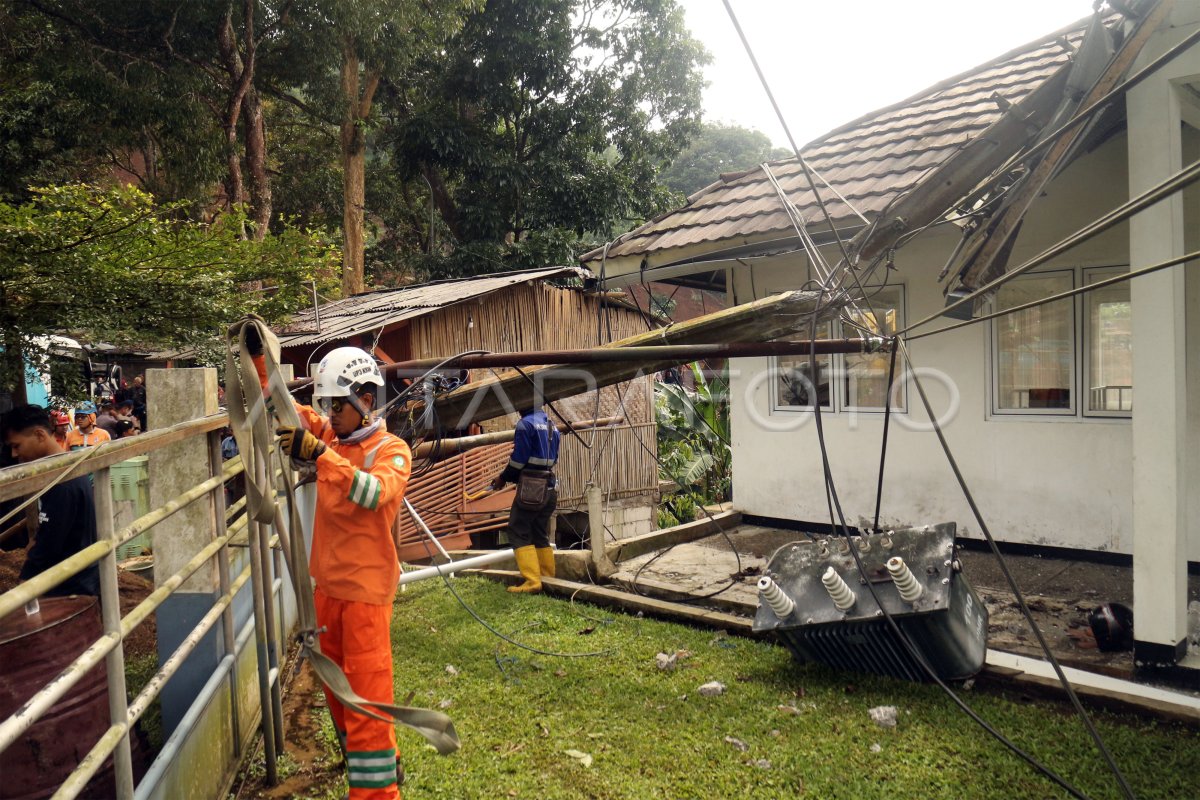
(759, 321)
(940, 189)
(987, 255)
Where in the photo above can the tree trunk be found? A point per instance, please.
(256, 163)
(255, 131)
(442, 199)
(354, 153)
(234, 193)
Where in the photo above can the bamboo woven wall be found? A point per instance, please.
(537, 316)
(439, 496)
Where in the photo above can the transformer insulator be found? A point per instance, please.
(773, 596)
(906, 583)
(838, 590)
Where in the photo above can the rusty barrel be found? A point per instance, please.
(33, 650)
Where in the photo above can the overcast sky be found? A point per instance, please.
(830, 61)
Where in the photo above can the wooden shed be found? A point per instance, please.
(516, 311)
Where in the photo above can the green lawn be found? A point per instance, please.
(650, 734)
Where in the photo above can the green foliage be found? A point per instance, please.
(693, 443)
(90, 90)
(111, 265)
(716, 149)
(543, 126)
(651, 735)
(502, 134)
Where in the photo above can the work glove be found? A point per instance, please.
(498, 483)
(254, 345)
(300, 444)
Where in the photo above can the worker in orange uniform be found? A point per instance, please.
(362, 471)
(62, 427)
(86, 433)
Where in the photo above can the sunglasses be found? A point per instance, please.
(332, 405)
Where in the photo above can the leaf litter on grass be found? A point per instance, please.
(659, 746)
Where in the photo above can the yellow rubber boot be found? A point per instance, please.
(527, 563)
(545, 557)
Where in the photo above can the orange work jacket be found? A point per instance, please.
(77, 438)
(360, 488)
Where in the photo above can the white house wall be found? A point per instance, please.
(1061, 482)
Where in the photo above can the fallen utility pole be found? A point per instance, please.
(676, 354)
(451, 447)
(758, 321)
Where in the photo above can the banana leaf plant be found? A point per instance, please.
(693, 443)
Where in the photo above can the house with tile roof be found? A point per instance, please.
(1065, 439)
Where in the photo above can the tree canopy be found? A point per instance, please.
(115, 266)
(439, 136)
(719, 148)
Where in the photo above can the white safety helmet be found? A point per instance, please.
(344, 372)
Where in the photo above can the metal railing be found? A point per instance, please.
(263, 564)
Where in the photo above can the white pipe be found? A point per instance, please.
(910, 590)
(455, 566)
(412, 512)
(841, 594)
(772, 595)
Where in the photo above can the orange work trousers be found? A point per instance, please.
(358, 638)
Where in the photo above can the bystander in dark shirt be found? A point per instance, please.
(66, 525)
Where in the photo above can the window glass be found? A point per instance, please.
(865, 380)
(1035, 347)
(795, 385)
(1109, 346)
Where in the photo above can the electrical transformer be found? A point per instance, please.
(813, 597)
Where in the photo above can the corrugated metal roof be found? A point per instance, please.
(369, 311)
(869, 161)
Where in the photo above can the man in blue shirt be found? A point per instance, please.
(66, 512)
(535, 452)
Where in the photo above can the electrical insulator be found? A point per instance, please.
(773, 596)
(906, 583)
(838, 590)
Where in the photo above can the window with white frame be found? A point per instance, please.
(845, 382)
(1035, 347)
(865, 378)
(1041, 356)
(1108, 347)
(795, 383)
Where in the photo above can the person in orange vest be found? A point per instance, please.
(362, 472)
(62, 427)
(86, 434)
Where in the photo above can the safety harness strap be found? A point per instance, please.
(252, 417)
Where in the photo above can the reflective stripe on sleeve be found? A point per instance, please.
(365, 489)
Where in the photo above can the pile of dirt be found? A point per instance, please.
(142, 641)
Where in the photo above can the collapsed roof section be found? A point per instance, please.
(953, 147)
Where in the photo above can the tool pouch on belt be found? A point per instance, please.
(533, 489)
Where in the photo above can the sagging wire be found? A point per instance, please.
(838, 522)
(887, 418)
(1012, 584)
(733, 581)
(467, 607)
(1054, 298)
(1166, 188)
(787, 130)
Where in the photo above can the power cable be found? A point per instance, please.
(787, 130)
(839, 522)
(887, 418)
(1166, 188)
(1012, 584)
(467, 607)
(1054, 298)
